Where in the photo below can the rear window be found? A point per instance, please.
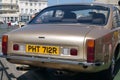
(85, 14)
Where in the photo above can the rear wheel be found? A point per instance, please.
(109, 73)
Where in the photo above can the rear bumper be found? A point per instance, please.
(58, 63)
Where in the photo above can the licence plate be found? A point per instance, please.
(41, 49)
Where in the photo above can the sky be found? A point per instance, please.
(54, 2)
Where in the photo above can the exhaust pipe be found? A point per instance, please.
(23, 68)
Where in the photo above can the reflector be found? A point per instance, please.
(15, 47)
(73, 52)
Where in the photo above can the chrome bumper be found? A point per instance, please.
(57, 63)
(41, 59)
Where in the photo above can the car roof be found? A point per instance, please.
(93, 3)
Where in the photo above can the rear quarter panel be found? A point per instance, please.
(106, 41)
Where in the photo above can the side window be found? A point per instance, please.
(50, 16)
(116, 18)
(44, 17)
(59, 14)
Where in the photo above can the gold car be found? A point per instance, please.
(76, 37)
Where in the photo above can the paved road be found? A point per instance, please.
(11, 68)
(38, 74)
(3, 72)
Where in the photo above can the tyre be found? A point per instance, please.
(109, 73)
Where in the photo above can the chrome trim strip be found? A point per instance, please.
(51, 60)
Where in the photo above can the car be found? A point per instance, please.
(14, 23)
(1, 22)
(82, 37)
(21, 24)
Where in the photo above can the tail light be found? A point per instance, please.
(90, 50)
(4, 44)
